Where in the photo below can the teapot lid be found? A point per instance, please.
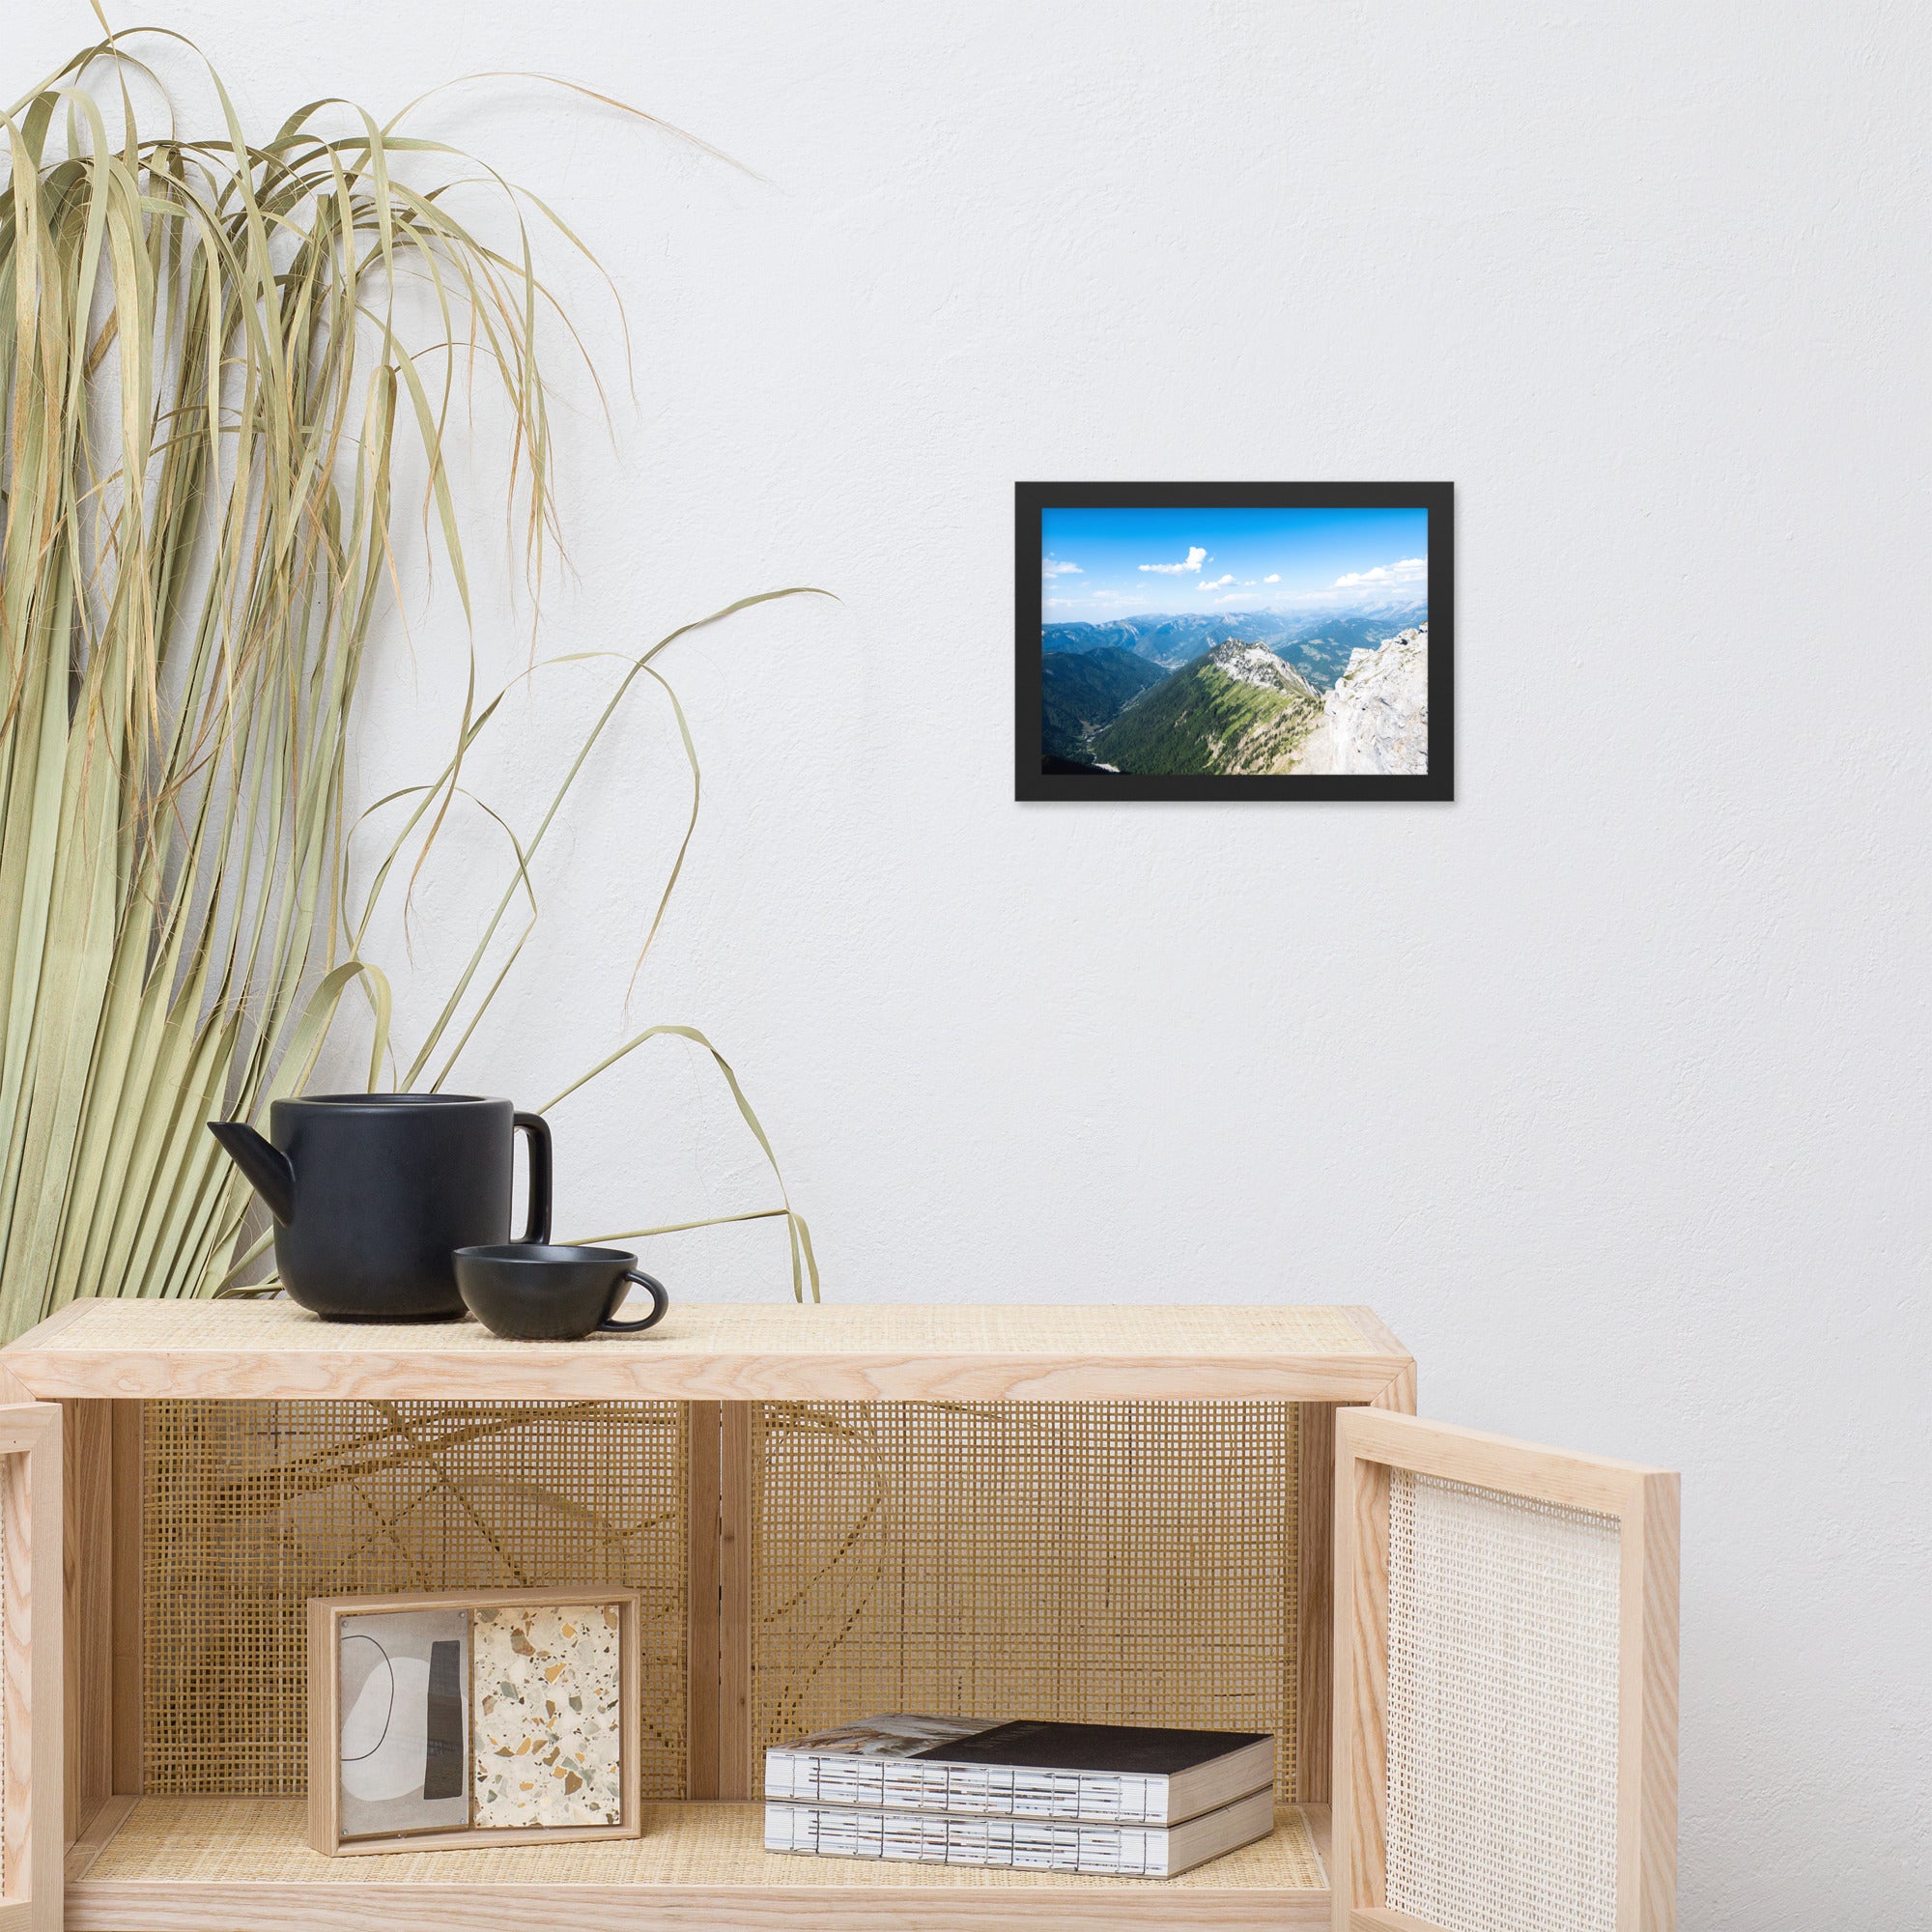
(387, 1100)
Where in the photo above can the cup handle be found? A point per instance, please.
(660, 1301)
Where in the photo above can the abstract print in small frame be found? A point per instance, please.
(477, 1718)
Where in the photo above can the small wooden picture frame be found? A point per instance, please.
(419, 1693)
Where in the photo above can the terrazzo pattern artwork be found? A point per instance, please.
(548, 1723)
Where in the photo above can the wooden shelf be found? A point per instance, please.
(734, 1353)
(239, 1865)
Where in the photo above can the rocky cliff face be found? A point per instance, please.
(1377, 716)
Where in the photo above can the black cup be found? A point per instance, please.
(527, 1291)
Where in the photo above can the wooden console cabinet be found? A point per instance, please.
(95, 1839)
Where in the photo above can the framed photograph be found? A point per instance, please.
(483, 1718)
(1250, 640)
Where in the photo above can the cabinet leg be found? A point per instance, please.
(88, 1568)
(129, 1771)
(702, 1451)
(718, 1577)
(735, 1771)
(1315, 1654)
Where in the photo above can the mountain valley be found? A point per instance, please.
(1082, 690)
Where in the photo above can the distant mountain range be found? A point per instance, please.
(1236, 709)
(1317, 643)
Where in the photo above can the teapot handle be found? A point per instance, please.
(537, 1127)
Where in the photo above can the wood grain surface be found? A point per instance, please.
(731, 1352)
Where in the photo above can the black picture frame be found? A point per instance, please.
(1032, 784)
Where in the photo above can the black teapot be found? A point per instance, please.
(373, 1192)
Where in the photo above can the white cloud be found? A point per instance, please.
(1208, 582)
(1275, 577)
(1406, 570)
(1053, 567)
(1196, 557)
(1061, 603)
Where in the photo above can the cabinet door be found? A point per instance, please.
(30, 1667)
(1505, 1684)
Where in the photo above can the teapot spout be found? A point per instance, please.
(266, 1166)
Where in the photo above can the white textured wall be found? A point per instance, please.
(1607, 1085)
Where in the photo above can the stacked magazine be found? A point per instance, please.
(1113, 1799)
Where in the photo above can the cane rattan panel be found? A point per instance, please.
(250, 1508)
(1502, 1710)
(1123, 1562)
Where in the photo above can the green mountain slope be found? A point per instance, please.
(1081, 691)
(1238, 709)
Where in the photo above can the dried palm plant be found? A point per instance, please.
(209, 381)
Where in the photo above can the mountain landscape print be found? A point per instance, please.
(1236, 641)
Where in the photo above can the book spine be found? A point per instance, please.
(1008, 1791)
(1022, 1844)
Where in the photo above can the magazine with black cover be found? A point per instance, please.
(1126, 1774)
(1022, 1844)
